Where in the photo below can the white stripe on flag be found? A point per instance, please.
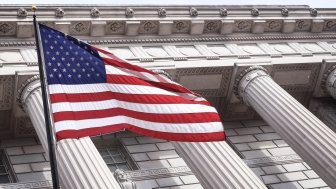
(104, 87)
(146, 108)
(164, 127)
(119, 88)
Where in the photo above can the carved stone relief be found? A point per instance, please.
(95, 12)
(123, 53)
(302, 25)
(273, 25)
(313, 12)
(59, 12)
(28, 185)
(193, 11)
(274, 160)
(129, 12)
(80, 28)
(329, 25)
(254, 12)
(149, 27)
(284, 12)
(157, 173)
(211, 26)
(22, 12)
(220, 50)
(6, 92)
(7, 28)
(156, 51)
(223, 12)
(242, 25)
(181, 26)
(115, 27)
(162, 12)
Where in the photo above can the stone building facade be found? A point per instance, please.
(269, 70)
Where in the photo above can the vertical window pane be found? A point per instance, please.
(6, 175)
(114, 159)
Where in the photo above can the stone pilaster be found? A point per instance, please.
(303, 131)
(215, 164)
(79, 162)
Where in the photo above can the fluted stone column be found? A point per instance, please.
(331, 83)
(79, 163)
(215, 164)
(303, 131)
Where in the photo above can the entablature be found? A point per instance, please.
(116, 21)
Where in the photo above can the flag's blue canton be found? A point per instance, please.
(69, 61)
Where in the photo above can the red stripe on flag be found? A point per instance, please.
(184, 137)
(125, 65)
(122, 79)
(159, 118)
(136, 98)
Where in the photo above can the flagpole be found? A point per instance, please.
(50, 134)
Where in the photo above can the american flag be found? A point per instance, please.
(93, 92)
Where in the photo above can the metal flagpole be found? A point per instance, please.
(51, 141)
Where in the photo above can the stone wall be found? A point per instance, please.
(29, 163)
(270, 157)
(159, 166)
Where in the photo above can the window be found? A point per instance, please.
(114, 159)
(114, 153)
(6, 175)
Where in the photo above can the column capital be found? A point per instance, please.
(27, 88)
(163, 73)
(245, 78)
(330, 81)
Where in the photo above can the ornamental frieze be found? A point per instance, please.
(273, 25)
(80, 28)
(329, 25)
(211, 26)
(7, 28)
(115, 27)
(243, 25)
(302, 25)
(181, 26)
(149, 27)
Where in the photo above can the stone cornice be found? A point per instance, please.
(181, 40)
(130, 21)
(49, 11)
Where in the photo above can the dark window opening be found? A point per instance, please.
(6, 173)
